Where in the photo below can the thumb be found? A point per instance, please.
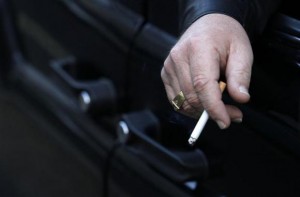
(238, 73)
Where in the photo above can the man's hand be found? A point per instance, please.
(212, 46)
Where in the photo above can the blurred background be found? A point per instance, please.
(84, 111)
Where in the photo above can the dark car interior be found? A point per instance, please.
(84, 111)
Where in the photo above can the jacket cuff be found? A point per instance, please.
(195, 9)
(251, 14)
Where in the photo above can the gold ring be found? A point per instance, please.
(178, 101)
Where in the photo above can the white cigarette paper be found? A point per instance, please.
(202, 121)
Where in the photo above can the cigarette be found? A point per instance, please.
(202, 121)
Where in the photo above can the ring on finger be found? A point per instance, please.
(178, 101)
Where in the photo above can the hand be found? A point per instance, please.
(212, 46)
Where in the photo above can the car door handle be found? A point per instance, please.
(96, 94)
(141, 132)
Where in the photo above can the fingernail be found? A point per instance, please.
(221, 124)
(238, 120)
(244, 90)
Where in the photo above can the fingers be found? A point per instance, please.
(173, 86)
(198, 78)
(191, 104)
(205, 72)
(196, 61)
(170, 79)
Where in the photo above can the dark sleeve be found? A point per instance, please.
(252, 14)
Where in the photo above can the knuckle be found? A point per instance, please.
(193, 42)
(167, 69)
(175, 54)
(162, 73)
(164, 76)
(200, 82)
(193, 100)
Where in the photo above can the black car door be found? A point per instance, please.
(82, 77)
